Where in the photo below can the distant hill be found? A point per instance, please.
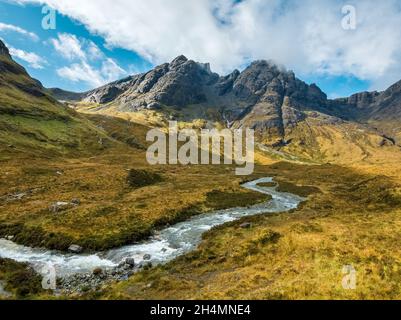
(62, 95)
(381, 110)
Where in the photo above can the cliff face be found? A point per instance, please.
(276, 98)
(4, 50)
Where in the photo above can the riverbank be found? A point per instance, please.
(56, 204)
(81, 273)
(354, 221)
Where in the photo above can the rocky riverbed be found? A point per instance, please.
(82, 282)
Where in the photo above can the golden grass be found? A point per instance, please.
(355, 220)
(111, 212)
(352, 216)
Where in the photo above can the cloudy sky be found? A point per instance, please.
(97, 41)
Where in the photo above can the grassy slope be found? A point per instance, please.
(19, 281)
(51, 153)
(314, 140)
(33, 121)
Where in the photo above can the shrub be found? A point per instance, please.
(142, 178)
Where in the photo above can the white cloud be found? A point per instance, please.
(111, 70)
(93, 51)
(13, 28)
(82, 71)
(68, 46)
(85, 54)
(33, 59)
(305, 36)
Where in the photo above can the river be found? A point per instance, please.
(166, 245)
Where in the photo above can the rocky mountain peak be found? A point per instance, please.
(178, 61)
(4, 50)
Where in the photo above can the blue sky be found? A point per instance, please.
(29, 18)
(85, 51)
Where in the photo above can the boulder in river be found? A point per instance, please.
(74, 248)
(130, 262)
(147, 257)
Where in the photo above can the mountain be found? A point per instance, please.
(261, 97)
(63, 95)
(18, 88)
(381, 110)
(286, 113)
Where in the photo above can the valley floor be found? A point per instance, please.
(354, 221)
(352, 218)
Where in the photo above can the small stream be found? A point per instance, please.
(163, 247)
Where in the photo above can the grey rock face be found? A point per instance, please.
(263, 97)
(382, 110)
(362, 100)
(276, 96)
(178, 84)
(108, 92)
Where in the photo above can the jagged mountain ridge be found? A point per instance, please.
(286, 113)
(264, 97)
(381, 110)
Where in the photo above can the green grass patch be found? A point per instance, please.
(267, 184)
